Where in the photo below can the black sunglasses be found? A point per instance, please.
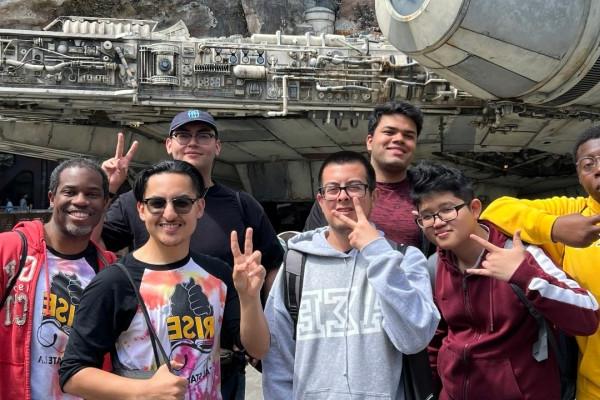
(181, 205)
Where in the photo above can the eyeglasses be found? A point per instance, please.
(332, 192)
(181, 205)
(184, 138)
(587, 165)
(445, 214)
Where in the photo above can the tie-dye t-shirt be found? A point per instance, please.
(56, 299)
(193, 308)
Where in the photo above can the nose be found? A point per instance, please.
(398, 137)
(437, 221)
(169, 212)
(80, 198)
(343, 196)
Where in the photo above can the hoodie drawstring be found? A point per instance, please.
(492, 304)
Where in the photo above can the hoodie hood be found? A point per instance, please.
(34, 231)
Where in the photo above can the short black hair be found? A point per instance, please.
(587, 135)
(428, 177)
(77, 163)
(391, 108)
(169, 166)
(348, 157)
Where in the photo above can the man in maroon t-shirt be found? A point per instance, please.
(391, 140)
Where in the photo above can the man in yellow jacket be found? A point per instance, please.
(567, 228)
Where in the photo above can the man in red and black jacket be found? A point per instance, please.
(43, 271)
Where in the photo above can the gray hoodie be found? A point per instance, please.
(360, 311)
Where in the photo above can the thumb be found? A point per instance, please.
(175, 365)
(517, 242)
(595, 219)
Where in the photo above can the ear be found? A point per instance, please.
(199, 206)
(375, 195)
(169, 145)
(320, 200)
(51, 199)
(141, 208)
(217, 148)
(476, 207)
(369, 142)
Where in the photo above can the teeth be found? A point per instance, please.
(79, 214)
(169, 225)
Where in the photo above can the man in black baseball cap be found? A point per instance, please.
(186, 117)
(193, 137)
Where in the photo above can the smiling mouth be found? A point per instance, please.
(78, 214)
(170, 225)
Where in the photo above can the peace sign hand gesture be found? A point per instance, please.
(248, 273)
(116, 168)
(363, 232)
(500, 263)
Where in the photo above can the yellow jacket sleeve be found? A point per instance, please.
(534, 218)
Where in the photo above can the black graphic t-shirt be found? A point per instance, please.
(58, 293)
(193, 308)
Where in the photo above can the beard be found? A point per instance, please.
(76, 230)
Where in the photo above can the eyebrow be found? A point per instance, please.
(440, 207)
(392, 127)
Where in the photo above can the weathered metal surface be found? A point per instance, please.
(284, 102)
(539, 52)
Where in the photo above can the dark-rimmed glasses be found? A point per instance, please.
(588, 164)
(332, 192)
(181, 205)
(445, 214)
(184, 138)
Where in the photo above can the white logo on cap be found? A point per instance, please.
(193, 114)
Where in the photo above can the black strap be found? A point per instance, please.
(156, 345)
(15, 276)
(241, 206)
(293, 266)
(540, 347)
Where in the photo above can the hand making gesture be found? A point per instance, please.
(116, 168)
(363, 232)
(248, 273)
(500, 263)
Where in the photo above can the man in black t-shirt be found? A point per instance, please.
(194, 137)
(191, 300)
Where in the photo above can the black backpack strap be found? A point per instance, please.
(293, 268)
(156, 346)
(22, 259)
(242, 209)
(540, 347)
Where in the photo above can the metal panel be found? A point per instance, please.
(269, 180)
(460, 135)
(549, 27)
(299, 180)
(448, 55)
(269, 150)
(297, 132)
(496, 80)
(231, 153)
(530, 64)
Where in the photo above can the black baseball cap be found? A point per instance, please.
(185, 117)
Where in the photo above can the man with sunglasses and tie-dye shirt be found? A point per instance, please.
(194, 305)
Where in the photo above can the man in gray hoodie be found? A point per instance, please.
(363, 303)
